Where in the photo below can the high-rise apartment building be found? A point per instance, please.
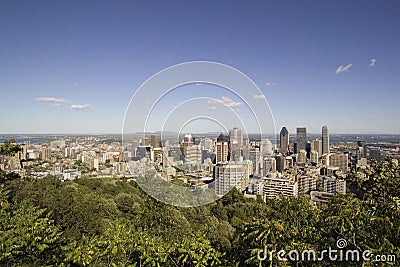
(325, 140)
(306, 183)
(192, 153)
(221, 151)
(228, 175)
(333, 185)
(275, 187)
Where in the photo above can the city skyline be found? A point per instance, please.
(72, 68)
(199, 133)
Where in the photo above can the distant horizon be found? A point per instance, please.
(94, 134)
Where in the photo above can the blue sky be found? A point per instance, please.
(93, 55)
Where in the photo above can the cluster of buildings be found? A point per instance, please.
(256, 167)
(293, 165)
(68, 159)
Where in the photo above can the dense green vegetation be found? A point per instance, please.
(105, 222)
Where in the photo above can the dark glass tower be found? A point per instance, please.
(284, 141)
(301, 139)
(325, 140)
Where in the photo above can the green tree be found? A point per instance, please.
(27, 235)
(9, 148)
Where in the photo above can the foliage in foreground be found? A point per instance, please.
(100, 222)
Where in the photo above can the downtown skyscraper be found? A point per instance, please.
(236, 135)
(301, 139)
(284, 141)
(325, 140)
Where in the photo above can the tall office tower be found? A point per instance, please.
(235, 144)
(236, 135)
(236, 152)
(266, 147)
(316, 145)
(221, 152)
(284, 141)
(301, 139)
(154, 140)
(325, 140)
(308, 149)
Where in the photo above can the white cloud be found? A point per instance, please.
(372, 62)
(343, 68)
(226, 101)
(271, 84)
(81, 107)
(148, 116)
(52, 100)
(259, 96)
(212, 108)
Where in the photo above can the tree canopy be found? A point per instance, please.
(106, 222)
